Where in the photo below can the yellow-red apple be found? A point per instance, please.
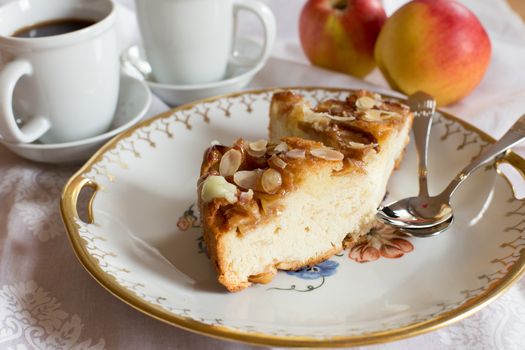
(437, 46)
(341, 34)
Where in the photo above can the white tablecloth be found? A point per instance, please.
(48, 301)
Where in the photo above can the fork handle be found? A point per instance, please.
(515, 135)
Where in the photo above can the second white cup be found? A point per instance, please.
(191, 41)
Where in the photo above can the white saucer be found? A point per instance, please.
(133, 62)
(134, 102)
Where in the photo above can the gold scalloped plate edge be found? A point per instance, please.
(470, 306)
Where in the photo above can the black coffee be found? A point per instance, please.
(53, 27)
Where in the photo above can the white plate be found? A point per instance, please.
(133, 62)
(144, 246)
(133, 103)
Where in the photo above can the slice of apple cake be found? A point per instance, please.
(291, 202)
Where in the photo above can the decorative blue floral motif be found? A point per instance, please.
(321, 270)
(324, 269)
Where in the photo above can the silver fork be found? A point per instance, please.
(423, 106)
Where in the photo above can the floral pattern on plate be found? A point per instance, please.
(320, 271)
(188, 219)
(382, 241)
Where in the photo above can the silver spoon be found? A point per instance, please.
(423, 106)
(434, 214)
(430, 231)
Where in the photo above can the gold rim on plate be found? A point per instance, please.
(69, 213)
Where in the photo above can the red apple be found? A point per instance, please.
(340, 34)
(438, 46)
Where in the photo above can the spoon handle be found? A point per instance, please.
(423, 107)
(515, 135)
(421, 133)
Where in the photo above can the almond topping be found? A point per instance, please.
(296, 154)
(372, 115)
(327, 154)
(247, 196)
(277, 162)
(257, 148)
(356, 145)
(391, 114)
(281, 147)
(248, 179)
(341, 119)
(271, 180)
(230, 162)
(365, 102)
(376, 115)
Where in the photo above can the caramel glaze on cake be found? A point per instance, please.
(353, 126)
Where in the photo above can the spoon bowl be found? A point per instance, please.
(429, 231)
(416, 212)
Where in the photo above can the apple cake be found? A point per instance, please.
(290, 202)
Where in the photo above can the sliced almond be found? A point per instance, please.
(310, 116)
(276, 149)
(257, 148)
(277, 162)
(271, 181)
(255, 154)
(247, 196)
(259, 145)
(365, 102)
(270, 206)
(281, 147)
(356, 145)
(341, 119)
(296, 154)
(377, 115)
(248, 179)
(372, 115)
(327, 154)
(230, 162)
(390, 114)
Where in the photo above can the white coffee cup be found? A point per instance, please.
(62, 87)
(191, 41)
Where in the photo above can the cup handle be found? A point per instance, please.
(33, 129)
(267, 19)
